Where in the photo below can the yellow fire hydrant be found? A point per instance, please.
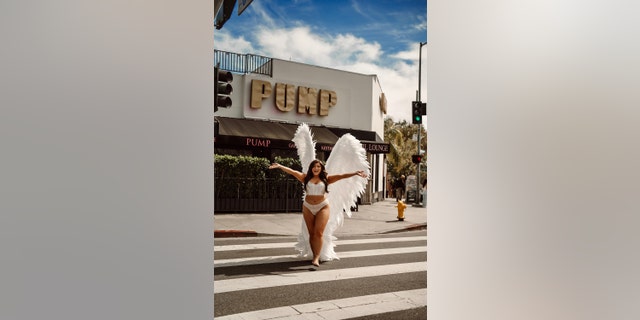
(401, 206)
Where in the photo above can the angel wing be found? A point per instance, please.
(305, 145)
(347, 155)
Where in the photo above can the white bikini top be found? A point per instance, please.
(315, 189)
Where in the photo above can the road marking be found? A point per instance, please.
(341, 308)
(254, 246)
(228, 285)
(289, 258)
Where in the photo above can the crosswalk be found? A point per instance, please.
(377, 277)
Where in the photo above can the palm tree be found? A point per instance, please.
(399, 139)
(400, 136)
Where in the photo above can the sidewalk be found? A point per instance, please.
(376, 218)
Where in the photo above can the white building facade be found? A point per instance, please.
(267, 106)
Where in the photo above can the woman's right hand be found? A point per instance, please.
(274, 166)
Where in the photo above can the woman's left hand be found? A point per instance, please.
(274, 166)
(361, 173)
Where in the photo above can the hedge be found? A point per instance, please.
(247, 177)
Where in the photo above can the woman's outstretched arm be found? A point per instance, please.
(337, 177)
(297, 174)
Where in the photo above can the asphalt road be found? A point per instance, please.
(377, 277)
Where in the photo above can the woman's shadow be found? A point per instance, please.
(277, 268)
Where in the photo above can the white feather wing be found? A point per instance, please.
(347, 156)
(305, 145)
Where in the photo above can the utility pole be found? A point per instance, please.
(419, 125)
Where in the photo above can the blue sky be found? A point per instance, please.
(369, 37)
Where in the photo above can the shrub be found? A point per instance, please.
(248, 177)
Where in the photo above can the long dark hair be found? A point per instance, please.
(322, 175)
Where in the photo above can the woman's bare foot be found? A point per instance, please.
(315, 263)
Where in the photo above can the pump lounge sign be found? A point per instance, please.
(289, 97)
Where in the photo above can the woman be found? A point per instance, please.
(315, 208)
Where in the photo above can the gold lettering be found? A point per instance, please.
(307, 100)
(285, 97)
(383, 103)
(328, 99)
(259, 90)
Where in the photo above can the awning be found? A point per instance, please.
(250, 133)
(361, 135)
(369, 139)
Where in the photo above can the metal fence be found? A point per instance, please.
(257, 195)
(243, 63)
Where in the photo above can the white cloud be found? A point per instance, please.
(410, 55)
(356, 49)
(224, 41)
(294, 44)
(422, 25)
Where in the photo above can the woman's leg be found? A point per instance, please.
(309, 220)
(315, 237)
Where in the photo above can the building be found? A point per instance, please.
(271, 97)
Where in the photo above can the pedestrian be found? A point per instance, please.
(315, 208)
(399, 187)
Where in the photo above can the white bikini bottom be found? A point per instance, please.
(314, 208)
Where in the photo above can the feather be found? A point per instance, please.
(305, 145)
(347, 156)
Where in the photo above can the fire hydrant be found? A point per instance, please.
(401, 206)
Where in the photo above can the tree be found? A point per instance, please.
(403, 143)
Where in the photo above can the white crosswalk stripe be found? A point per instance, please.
(291, 244)
(375, 276)
(286, 258)
(221, 286)
(341, 308)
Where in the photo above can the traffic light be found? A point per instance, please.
(223, 89)
(416, 112)
(416, 158)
